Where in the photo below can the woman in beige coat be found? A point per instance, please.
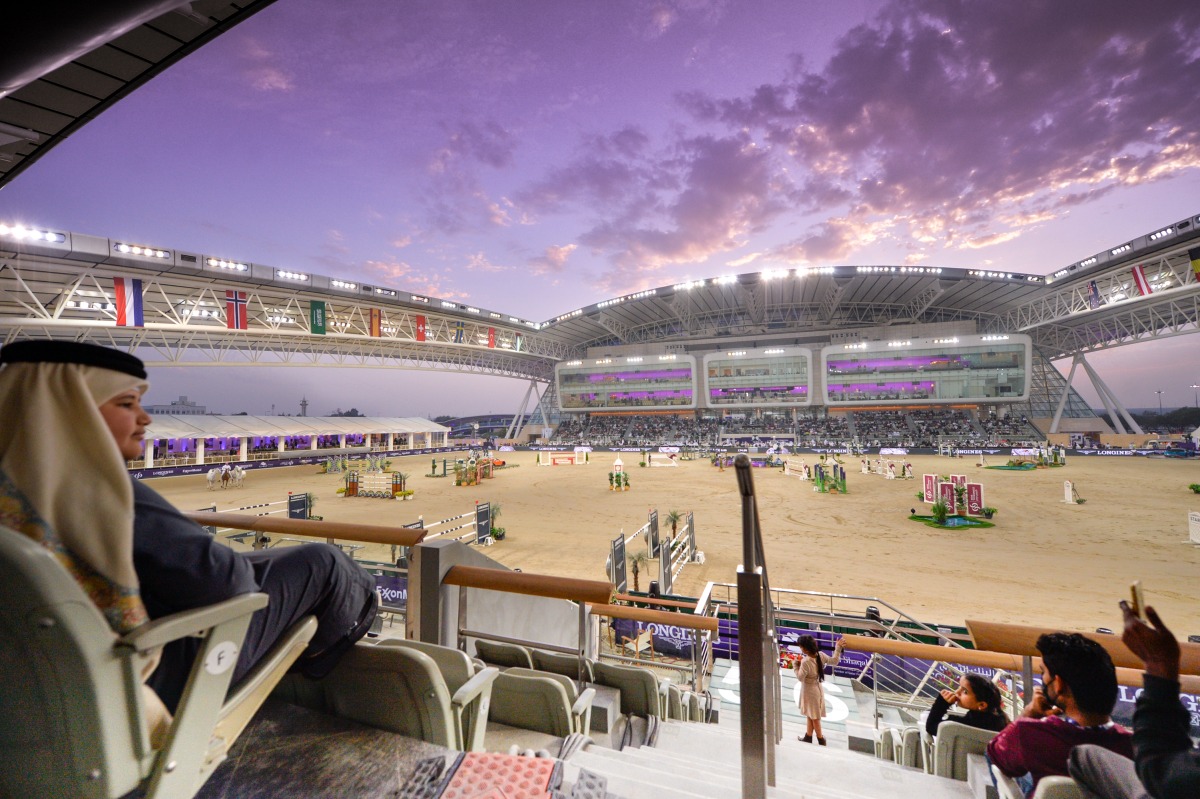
(810, 673)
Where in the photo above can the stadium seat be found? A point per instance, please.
(1047, 787)
(581, 701)
(75, 718)
(953, 743)
(470, 707)
(531, 701)
(639, 688)
(911, 751)
(504, 655)
(567, 665)
(395, 686)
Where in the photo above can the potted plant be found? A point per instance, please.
(1195, 488)
(498, 533)
(940, 511)
(988, 512)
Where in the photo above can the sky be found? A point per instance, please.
(535, 157)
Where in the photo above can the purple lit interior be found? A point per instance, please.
(659, 374)
(875, 387)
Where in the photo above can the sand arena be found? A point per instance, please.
(1045, 562)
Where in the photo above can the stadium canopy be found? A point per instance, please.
(63, 64)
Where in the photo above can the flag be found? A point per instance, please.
(1093, 295)
(420, 328)
(316, 317)
(491, 338)
(1139, 280)
(128, 295)
(1194, 255)
(518, 342)
(236, 310)
(459, 332)
(376, 322)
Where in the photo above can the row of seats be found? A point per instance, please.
(643, 694)
(950, 753)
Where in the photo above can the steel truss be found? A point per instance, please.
(185, 322)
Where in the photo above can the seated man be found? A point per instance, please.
(1073, 707)
(1167, 764)
(134, 554)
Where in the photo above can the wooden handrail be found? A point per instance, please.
(1022, 640)
(342, 531)
(649, 600)
(590, 591)
(974, 657)
(687, 620)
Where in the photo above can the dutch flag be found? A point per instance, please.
(128, 296)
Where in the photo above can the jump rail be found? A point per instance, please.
(344, 531)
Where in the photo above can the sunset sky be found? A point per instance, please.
(535, 157)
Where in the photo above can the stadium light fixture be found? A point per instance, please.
(725, 280)
(1162, 234)
(285, 274)
(386, 292)
(20, 233)
(221, 263)
(342, 284)
(773, 352)
(667, 357)
(416, 298)
(634, 359)
(1124, 248)
(141, 249)
(736, 353)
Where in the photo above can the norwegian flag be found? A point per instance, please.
(1139, 279)
(128, 295)
(236, 311)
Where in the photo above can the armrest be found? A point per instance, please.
(162, 631)
(475, 686)
(581, 711)
(469, 706)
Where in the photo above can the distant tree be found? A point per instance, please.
(442, 419)
(349, 413)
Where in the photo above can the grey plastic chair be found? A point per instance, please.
(953, 743)
(495, 653)
(567, 665)
(640, 689)
(470, 688)
(73, 715)
(538, 703)
(401, 686)
(580, 701)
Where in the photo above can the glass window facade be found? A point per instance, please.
(637, 383)
(756, 379)
(972, 369)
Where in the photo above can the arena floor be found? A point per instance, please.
(1045, 562)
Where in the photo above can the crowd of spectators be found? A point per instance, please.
(921, 428)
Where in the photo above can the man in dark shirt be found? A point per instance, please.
(181, 566)
(1073, 707)
(1167, 765)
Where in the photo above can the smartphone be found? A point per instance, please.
(1138, 599)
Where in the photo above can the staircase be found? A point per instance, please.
(703, 760)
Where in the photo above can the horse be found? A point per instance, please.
(213, 475)
(226, 478)
(239, 476)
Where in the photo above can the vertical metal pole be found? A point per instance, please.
(750, 684)
(582, 648)
(462, 618)
(1027, 677)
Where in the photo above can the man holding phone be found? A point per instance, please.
(1073, 707)
(1168, 766)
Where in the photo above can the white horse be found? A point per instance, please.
(214, 478)
(239, 476)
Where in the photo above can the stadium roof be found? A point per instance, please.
(64, 63)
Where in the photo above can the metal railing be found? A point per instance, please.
(758, 653)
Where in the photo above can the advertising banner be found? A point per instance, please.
(959, 480)
(930, 488)
(392, 589)
(946, 494)
(975, 499)
(668, 639)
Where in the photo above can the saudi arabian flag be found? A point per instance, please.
(316, 317)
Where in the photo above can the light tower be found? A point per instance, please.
(303, 406)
